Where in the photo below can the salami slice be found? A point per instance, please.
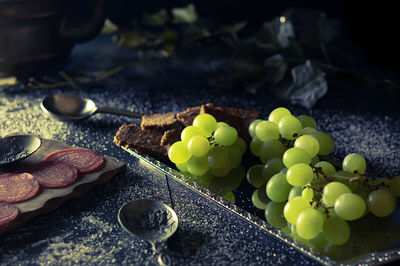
(8, 212)
(17, 187)
(83, 159)
(53, 174)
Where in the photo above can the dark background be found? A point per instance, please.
(371, 25)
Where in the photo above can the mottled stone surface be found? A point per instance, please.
(86, 230)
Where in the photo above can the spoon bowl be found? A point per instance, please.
(17, 147)
(150, 220)
(70, 107)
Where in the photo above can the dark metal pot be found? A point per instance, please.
(38, 35)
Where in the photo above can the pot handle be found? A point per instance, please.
(87, 30)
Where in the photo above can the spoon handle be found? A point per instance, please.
(118, 112)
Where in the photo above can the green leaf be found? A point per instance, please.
(131, 39)
(156, 19)
(109, 27)
(308, 86)
(186, 14)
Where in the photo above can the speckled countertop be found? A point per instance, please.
(86, 230)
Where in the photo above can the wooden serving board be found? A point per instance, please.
(50, 199)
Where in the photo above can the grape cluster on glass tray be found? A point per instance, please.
(210, 153)
(308, 198)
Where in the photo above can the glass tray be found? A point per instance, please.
(383, 233)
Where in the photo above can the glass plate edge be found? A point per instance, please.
(374, 258)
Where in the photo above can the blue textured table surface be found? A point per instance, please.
(86, 230)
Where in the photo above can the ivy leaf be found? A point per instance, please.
(109, 27)
(276, 68)
(280, 30)
(308, 86)
(130, 39)
(156, 19)
(184, 15)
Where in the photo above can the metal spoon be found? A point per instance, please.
(150, 220)
(17, 147)
(72, 107)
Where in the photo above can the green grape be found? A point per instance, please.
(222, 124)
(314, 160)
(198, 146)
(270, 149)
(319, 242)
(307, 121)
(326, 167)
(394, 185)
(354, 163)
(380, 202)
(221, 171)
(204, 180)
(363, 192)
(252, 127)
(178, 152)
(218, 158)
(339, 177)
(230, 182)
(326, 143)
(309, 144)
(266, 130)
(336, 230)
(278, 188)
(255, 175)
(307, 130)
(286, 229)
(293, 233)
(289, 127)
(234, 155)
(241, 144)
(349, 206)
(226, 135)
(236, 176)
(230, 197)
(274, 214)
(332, 191)
(198, 166)
(276, 114)
(336, 252)
(206, 122)
(307, 194)
(294, 156)
(309, 223)
(293, 208)
(295, 192)
(182, 167)
(259, 198)
(255, 146)
(382, 181)
(299, 174)
(189, 132)
(283, 171)
(272, 167)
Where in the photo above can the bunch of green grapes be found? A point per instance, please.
(304, 196)
(210, 153)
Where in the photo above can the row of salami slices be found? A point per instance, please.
(59, 169)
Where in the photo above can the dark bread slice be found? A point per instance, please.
(186, 117)
(142, 141)
(247, 116)
(170, 137)
(163, 121)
